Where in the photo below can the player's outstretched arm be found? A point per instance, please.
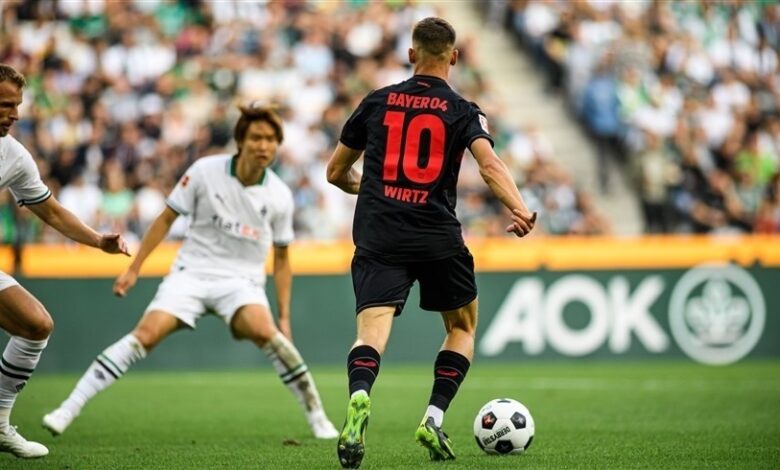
(65, 222)
(153, 236)
(499, 179)
(283, 283)
(340, 172)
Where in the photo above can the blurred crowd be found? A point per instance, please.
(684, 95)
(124, 95)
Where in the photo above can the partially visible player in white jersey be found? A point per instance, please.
(238, 208)
(21, 315)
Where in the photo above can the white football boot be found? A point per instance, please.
(13, 443)
(321, 426)
(58, 421)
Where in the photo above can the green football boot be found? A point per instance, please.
(351, 446)
(433, 438)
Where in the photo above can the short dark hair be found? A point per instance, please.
(10, 74)
(434, 35)
(256, 111)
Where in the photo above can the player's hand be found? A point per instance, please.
(125, 282)
(113, 243)
(522, 223)
(285, 328)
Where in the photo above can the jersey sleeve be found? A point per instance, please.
(182, 198)
(282, 223)
(26, 185)
(354, 134)
(476, 126)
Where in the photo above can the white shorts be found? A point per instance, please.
(189, 296)
(7, 281)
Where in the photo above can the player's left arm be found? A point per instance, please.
(283, 283)
(65, 222)
(340, 169)
(500, 181)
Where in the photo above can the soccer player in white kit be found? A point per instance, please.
(238, 208)
(21, 315)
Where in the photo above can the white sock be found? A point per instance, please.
(107, 368)
(18, 363)
(293, 371)
(5, 415)
(358, 392)
(436, 413)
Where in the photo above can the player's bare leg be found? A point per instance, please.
(449, 370)
(29, 325)
(112, 364)
(373, 330)
(255, 323)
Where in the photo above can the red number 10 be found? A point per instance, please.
(394, 120)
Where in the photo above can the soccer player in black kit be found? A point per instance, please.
(413, 135)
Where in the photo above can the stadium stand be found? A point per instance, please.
(123, 96)
(685, 95)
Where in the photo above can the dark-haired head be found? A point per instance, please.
(433, 38)
(256, 111)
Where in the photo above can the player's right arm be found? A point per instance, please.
(153, 236)
(340, 169)
(499, 179)
(352, 142)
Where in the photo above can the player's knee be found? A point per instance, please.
(464, 323)
(259, 333)
(40, 327)
(468, 329)
(148, 336)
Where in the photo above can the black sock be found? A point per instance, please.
(448, 372)
(362, 368)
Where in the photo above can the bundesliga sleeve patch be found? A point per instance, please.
(184, 180)
(483, 122)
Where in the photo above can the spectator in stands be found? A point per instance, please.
(654, 175)
(759, 164)
(768, 217)
(600, 109)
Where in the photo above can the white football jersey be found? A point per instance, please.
(232, 226)
(19, 173)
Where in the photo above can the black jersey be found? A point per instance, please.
(414, 134)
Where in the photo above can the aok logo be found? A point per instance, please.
(716, 315)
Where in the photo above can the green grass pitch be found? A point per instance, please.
(588, 415)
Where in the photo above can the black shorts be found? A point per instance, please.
(445, 284)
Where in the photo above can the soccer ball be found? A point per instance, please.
(504, 426)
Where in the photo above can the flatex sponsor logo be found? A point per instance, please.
(716, 315)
